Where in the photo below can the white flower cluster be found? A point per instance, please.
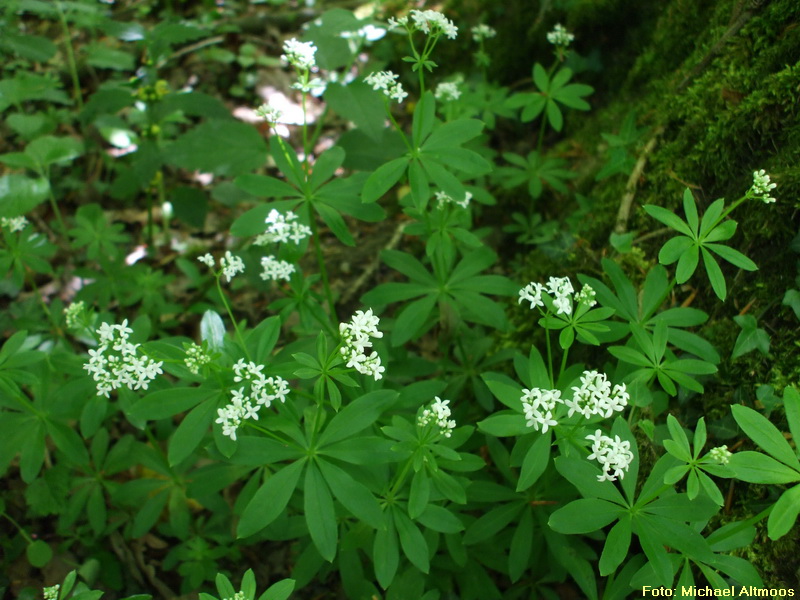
(720, 454)
(385, 81)
(14, 224)
(762, 188)
(269, 113)
(248, 399)
(483, 32)
(282, 228)
(438, 413)
(299, 54)
(196, 357)
(275, 269)
(428, 22)
(560, 36)
(356, 339)
(447, 91)
(596, 397)
(442, 198)
(539, 406)
(238, 596)
(231, 264)
(73, 314)
(561, 290)
(51, 593)
(614, 455)
(117, 362)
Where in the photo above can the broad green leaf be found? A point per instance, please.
(755, 467)
(244, 148)
(48, 150)
(353, 495)
(452, 134)
(264, 186)
(358, 102)
(750, 338)
(383, 178)
(690, 209)
(438, 518)
(39, 553)
(424, 118)
(519, 553)
(584, 515)
(412, 319)
(279, 591)
(687, 264)
(412, 542)
(270, 500)
(320, 514)
(715, 275)
(492, 522)
(734, 257)
(169, 402)
(765, 434)
(668, 218)
(20, 194)
(535, 462)
(616, 547)
(385, 555)
(419, 493)
(784, 513)
(674, 249)
(356, 416)
(191, 431)
(504, 424)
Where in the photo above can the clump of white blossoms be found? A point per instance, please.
(560, 36)
(14, 224)
(762, 188)
(595, 396)
(447, 91)
(385, 81)
(231, 264)
(442, 198)
(539, 406)
(73, 314)
(116, 362)
(51, 593)
(275, 269)
(196, 357)
(269, 113)
(237, 596)
(720, 454)
(299, 54)
(560, 292)
(282, 228)
(482, 32)
(438, 413)
(256, 391)
(356, 339)
(612, 454)
(429, 22)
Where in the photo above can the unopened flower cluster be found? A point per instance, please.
(482, 32)
(196, 357)
(14, 224)
(299, 54)
(51, 593)
(117, 363)
(447, 91)
(357, 339)
(231, 264)
(560, 36)
(429, 22)
(561, 292)
(283, 228)
(762, 188)
(385, 81)
(442, 198)
(594, 396)
(256, 391)
(438, 413)
(238, 596)
(73, 314)
(269, 113)
(275, 269)
(720, 454)
(614, 455)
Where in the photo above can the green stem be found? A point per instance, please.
(55, 208)
(232, 318)
(397, 127)
(305, 129)
(401, 477)
(321, 262)
(274, 436)
(73, 67)
(22, 532)
(549, 357)
(564, 356)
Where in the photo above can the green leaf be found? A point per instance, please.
(199, 149)
(386, 555)
(270, 500)
(452, 134)
(191, 431)
(734, 257)
(765, 434)
(492, 522)
(784, 513)
(424, 118)
(616, 547)
(690, 209)
(535, 462)
(335, 222)
(750, 338)
(39, 553)
(438, 518)
(715, 275)
(504, 424)
(264, 186)
(167, 403)
(279, 591)
(519, 554)
(383, 178)
(320, 514)
(755, 467)
(20, 194)
(353, 495)
(419, 494)
(668, 218)
(687, 264)
(412, 542)
(357, 102)
(356, 416)
(412, 319)
(584, 515)
(674, 249)
(48, 150)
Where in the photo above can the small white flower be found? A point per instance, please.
(207, 260)
(356, 338)
(231, 265)
(299, 54)
(196, 357)
(283, 228)
(539, 405)
(14, 224)
(596, 397)
(447, 91)
(73, 314)
(439, 413)
(275, 269)
(482, 32)
(612, 454)
(560, 36)
(443, 198)
(762, 187)
(720, 454)
(51, 593)
(269, 113)
(586, 296)
(432, 22)
(532, 293)
(385, 81)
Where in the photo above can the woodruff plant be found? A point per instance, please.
(365, 433)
